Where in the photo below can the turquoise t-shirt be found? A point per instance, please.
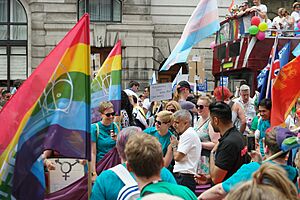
(263, 125)
(108, 185)
(245, 174)
(104, 142)
(169, 188)
(163, 140)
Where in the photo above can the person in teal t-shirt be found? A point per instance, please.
(168, 188)
(264, 109)
(108, 185)
(246, 171)
(163, 122)
(145, 160)
(103, 134)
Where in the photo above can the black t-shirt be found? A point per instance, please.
(232, 152)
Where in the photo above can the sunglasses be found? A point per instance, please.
(110, 114)
(159, 122)
(171, 110)
(200, 107)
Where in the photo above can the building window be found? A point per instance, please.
(102, 10)
(13, 41)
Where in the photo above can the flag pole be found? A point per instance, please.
(271, 65)
(87, 2)
(89, 179)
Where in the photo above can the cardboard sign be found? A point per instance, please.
(162, 91)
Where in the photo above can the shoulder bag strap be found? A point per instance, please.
(124, 175)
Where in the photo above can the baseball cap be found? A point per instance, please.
(184, 84)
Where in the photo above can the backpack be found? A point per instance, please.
(130, 191)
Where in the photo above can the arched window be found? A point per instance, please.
(101, 10)
(13, 41)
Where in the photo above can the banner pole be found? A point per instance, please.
(89, 180)
(271, 65)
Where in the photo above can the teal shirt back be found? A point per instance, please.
(108, 185)
(163, 140)
(104, 142)
(246, 171)
(169, 188)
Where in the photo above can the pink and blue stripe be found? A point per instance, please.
(203, 23)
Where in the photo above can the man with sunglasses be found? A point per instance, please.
(186, 151)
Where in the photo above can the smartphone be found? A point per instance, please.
(250, 143)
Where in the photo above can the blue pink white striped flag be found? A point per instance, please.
(203, 23)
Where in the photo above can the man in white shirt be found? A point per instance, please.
(186, 151)
(260, 9)
(247, 104)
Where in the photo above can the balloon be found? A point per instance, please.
(263, 26)
(261, 35)
(212, 45)
(253, 30)
(255, 21)
(298, 25)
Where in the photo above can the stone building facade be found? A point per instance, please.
(149, 30)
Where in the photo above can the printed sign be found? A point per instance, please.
(224, 81)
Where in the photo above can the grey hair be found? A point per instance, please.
(244, 88)
(183, 115)
(123, 137)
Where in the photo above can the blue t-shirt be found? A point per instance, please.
(245, 174)
(104, 143)
(163, 140)
(108, 185)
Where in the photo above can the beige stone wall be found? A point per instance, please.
(149, 30)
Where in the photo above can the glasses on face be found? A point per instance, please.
(200, 107)
(110, 114)
(160, 123)
(171, 110)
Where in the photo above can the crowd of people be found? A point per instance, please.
(286, 19)
(172, 147)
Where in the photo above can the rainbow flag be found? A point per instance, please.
(106, 86)
(51, 110)
(235, 29)
(203, 23)
(285, 92)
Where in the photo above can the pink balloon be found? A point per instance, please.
(298, 25)
(212, 44)
(260, 35)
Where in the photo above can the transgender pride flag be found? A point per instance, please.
(203, 23)
(51, 110)
(106, 86)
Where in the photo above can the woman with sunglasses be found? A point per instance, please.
(205, 132)
(103, 134)
(172, 106)
(163, 121)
